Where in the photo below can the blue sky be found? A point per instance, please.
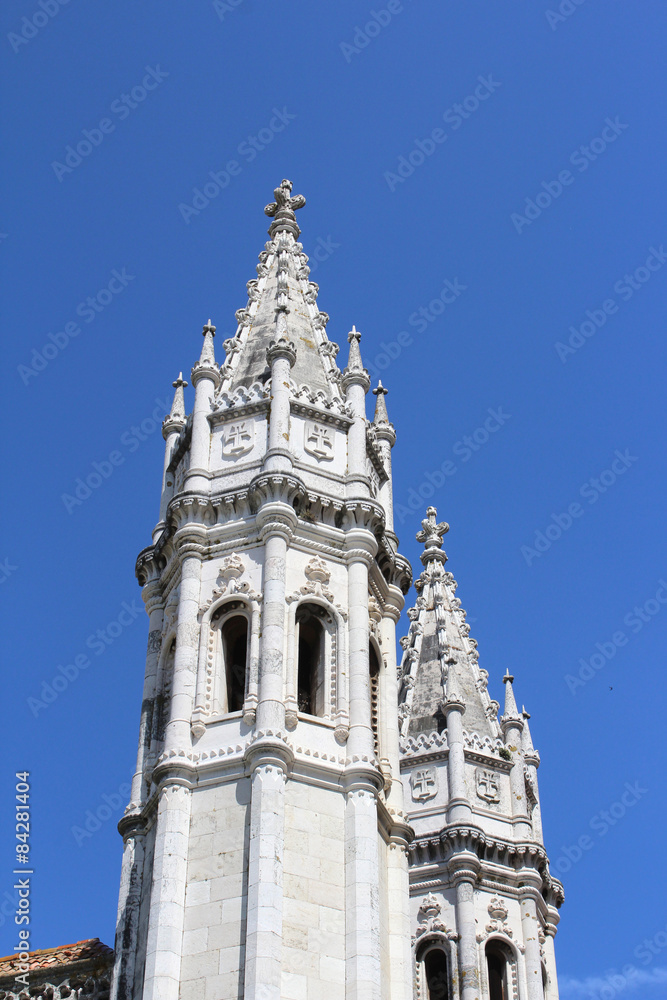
(486, 202)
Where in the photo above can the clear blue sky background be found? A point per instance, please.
(353, 115)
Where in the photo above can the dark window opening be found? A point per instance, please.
(497, 969)
(374, 672)
(310, 672)
(435, 972)
(234, 637)
(440, 721)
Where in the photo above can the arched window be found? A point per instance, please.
(433, 974)
(232, 659)
(311, 657)
(163, 699)
(496, 966)
(374, 671)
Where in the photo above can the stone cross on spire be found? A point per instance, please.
(282, 210)
(431, 536)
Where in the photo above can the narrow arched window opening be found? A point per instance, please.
(234, 640)
(374, 672)
(496, 964)
(434, 974)
(164, 694)
(311, 658)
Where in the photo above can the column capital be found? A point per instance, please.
(281, 349)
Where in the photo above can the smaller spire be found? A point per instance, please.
(354, 362)
(381, 415)
(530, 753)
(208, 351)
(176, 417)
(511, 711)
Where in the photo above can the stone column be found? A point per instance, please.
(129, 904)
(362, 782)
(191, 552)
(154, 601)
(167, 904)
(465, 878)
(530, 927)
(205, 379)
(264, 925)
(458, 808)
(512, 727)
(550, 953)
(281, 356)
(398, 887)
(171, 429)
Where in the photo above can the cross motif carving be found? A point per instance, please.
(487, 785)
(424, 785)
(238, 439)
(319, 440)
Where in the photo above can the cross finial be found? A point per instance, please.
(208, 328)
(282, 210)
(432, 533)
(508, 678)
(353, 335)
(180, 381)
(380, 391)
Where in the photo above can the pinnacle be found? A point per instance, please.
(381, 415)
(176, 417)
(511, 711)
(282, 210)
(207, 356)
(354, 361)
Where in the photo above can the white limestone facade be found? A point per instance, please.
(307, 819)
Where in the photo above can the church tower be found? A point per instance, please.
(265, 841)
(484, 907)
(308, 821)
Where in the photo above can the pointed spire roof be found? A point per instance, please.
(207, 355)
(176, 418)
(511, 712)
(282, 305)
(381, 415)
(531, 755)
(440, 663)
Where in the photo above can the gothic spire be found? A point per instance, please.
(208, 350)
(282, 305)
(511, 711)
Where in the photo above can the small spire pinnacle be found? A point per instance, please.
(282, 210)
(511, 711)
(381, 415)
(431, 537)
(354, 361)
(453, 695)
(208, 351)
(176, 417)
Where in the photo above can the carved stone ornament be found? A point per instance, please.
(238, 438)
(318, 576)
(319, 441)
(498, 912)
(424, 784)
(429, 919)
(228, 582)
(487, 785)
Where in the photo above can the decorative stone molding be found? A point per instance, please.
(229, 582)
(318, 441)
(238, 438)
(429, 921)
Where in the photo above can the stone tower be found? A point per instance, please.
(484, 905)
(265, 841)
(268, 852)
